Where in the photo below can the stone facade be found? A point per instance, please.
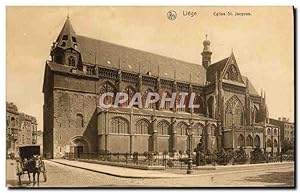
(21, 129)
(286, 128)
(81, 69)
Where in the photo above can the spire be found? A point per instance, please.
(206, 53)
(67, 37)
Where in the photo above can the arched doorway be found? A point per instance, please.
(79, 145)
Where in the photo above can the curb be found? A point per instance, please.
(116, 175)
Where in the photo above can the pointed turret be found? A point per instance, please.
(67, 37)
(206, 53)
(65, 49)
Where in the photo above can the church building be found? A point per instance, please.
(231, 114)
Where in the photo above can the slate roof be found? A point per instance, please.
(213, 68)
(129, 59)
(252, 90)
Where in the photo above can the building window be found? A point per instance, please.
(241, 140)
(275, 143)
(249, 140)
(182, 128)
(71, 61)
(144, 98)
(198, 129)
(130, 91)
(142, 127)
(269, 143)
(257, 141)
(13, 122)
(108, 87)
(163, 128)
(198, 101)
(79, 120)
(119, 125)
(275, 132)
(233, 112)
(269, 131)
(167, 103)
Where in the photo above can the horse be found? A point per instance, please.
(35, 166)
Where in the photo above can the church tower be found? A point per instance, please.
(65, 50)
(206, 53)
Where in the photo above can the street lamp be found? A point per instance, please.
(190, 160)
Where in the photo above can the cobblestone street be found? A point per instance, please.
(66, 176)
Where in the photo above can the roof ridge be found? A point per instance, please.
(147, 52)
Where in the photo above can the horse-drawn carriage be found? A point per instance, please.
(30, 161)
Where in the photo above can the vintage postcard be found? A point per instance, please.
(150, 97)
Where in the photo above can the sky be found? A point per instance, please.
(262, 44)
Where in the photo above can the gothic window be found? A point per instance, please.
(144, 98)
(163, 128)
(74, 39)
(142, 127)
(210, 104)
(79, 120)
(241, 140)
(275, 143)
(167, 103)
(269, 143)
(257, 141)
(232, 73)
(119, 125)
(213, 130)
(177, 103)
(198, 129)
(181, 128)
(130, 92)
(233, 112)
(198, 101)
(71, 61)
(269, 131)
(65, 37)
(108, 87)
(249, 140)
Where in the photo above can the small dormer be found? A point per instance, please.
(65, 49)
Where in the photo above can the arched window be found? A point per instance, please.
(233, 112)
(210, 106)
(71, 61)
(182, 128)
(198, 101)
(151, 105)
(142, 127)
(119, 125)
(198, 129)
(232, 73)
(269, 143)
(79, 120)
(13, 122)
(167, 103)
(268, 131)
(275, 132)
(163, 128)
(241, 140)
(214, 130)
(275, 143)
(249, 140)
(108, 87)
(257, 141)
(130, 91)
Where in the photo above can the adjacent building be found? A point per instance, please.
(21, 128)
(286, 128)
(231, 114)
